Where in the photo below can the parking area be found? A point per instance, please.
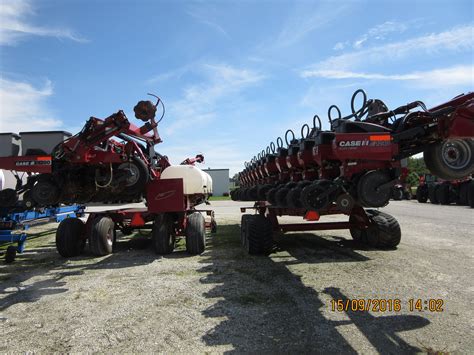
(226, 300)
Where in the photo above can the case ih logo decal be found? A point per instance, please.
(164, 195)
(38, 161)
(373, 141)
(354, 143)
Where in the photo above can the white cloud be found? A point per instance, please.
(203, 17)
(453, 76)
(456, 39)
(339, 46)
(199, 101)
(14, 24)
(24, 108)
(380, 32)
(306, 19)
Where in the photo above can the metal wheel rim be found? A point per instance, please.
(110, 237)
(456, 154)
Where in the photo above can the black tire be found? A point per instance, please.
(45, 193)
(163, 234)
(422, 194)
(432, 194)
(102, 238)
(244, 225)
(463, 194)
(282, 194)
(442, 194)
(383, 232)
(397, 194)
(470, 195)
(8, 198)
(10, 254)
(259, 235)
(262, 191)
(271, 195)
(407, 194)
(70, 237)
(450, 159)
(251, 194)
(196, 234)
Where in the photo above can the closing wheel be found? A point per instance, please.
(383, 231)
(318, 195)
(282, 194)
(450, 159)
(422, 193)
(195, 234)
(70, 237)
(371, 191)
(163, 234)
(101, 240)
(10, 254)
(293, 199)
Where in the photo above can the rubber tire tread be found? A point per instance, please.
(98, 240)
(260, 235)
(442, 194)
(422, 194)
(195, 234)
(432, 194)
(162, 234)
(384, 233)
(70, 240)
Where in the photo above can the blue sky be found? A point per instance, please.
(234, 75)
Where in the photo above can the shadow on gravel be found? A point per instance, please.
(263, 306)
(44, 262)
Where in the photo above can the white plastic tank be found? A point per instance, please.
(8, 179)
(195, 180)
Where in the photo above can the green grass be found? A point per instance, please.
(219, 198)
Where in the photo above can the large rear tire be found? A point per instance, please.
(196, 234)
(450, 159)
(163, 235)
(382, 233)
(102, 238)
(70, 237)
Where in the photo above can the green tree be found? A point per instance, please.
(416, 167)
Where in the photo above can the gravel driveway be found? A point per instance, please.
(225, 300)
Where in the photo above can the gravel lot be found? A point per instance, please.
(225, 300)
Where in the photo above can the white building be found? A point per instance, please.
(220, 181)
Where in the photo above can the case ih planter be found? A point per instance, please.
(112, 161)
(353, 165)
